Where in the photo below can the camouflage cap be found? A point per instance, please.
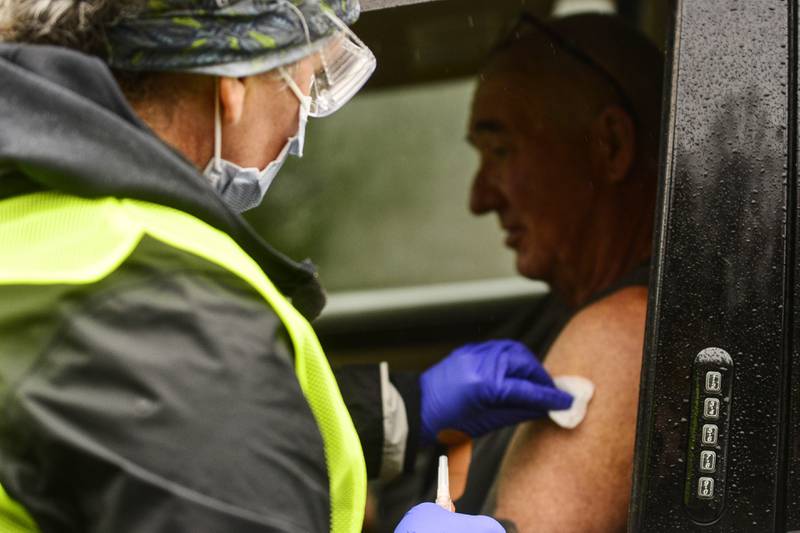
(223, 37)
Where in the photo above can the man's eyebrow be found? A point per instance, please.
(489, 125)
(485, 126)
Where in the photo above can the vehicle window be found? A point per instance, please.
(380, 197)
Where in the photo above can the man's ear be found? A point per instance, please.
(614, 146)
(231, 99)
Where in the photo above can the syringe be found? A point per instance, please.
(443, 486)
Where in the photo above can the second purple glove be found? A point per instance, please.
(430, 518)
(482, 387)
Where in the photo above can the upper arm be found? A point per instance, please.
(553, 479)
(171, 405)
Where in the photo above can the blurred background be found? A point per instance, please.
(380, 198)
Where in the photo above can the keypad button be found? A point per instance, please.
(711, 408)
(705, 488)
(708, 461)
(710, 434)
(713, 381)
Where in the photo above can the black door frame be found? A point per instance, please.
(723, 275)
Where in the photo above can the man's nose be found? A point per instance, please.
(484, 195)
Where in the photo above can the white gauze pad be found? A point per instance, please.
(582, 391)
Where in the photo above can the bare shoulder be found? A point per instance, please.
(607, 332)
(591, 464)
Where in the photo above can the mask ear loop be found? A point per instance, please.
(217, 127)
(293, 86)
(304, 100)
(308, 38)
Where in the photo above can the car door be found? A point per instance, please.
(718, 444)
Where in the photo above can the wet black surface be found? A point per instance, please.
(792, 499)
(721, 259)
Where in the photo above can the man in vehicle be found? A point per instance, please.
(157, 370)
(566, 121)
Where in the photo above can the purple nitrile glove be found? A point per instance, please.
(486, 386)
(430, 518)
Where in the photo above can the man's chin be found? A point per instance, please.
(530, 268)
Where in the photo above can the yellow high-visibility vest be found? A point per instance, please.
(53, 238)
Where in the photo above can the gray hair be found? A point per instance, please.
(77, 24)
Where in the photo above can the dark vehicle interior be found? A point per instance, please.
(412, 275)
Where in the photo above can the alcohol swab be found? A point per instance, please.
(582, 391)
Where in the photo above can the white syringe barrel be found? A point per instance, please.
(443, 486)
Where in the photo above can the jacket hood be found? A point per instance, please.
(67, 126)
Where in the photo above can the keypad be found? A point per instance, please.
(710, 411)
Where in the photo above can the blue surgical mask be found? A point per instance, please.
(244, 188)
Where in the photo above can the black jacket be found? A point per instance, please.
(162, 398)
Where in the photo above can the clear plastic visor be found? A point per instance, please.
(346, 64)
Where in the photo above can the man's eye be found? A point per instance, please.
(499, 151)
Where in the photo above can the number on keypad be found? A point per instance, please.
(708, 461)
(705, 488)
(710, 432)
(713, 381)
(711, 409)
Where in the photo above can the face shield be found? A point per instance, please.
(346, 64)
